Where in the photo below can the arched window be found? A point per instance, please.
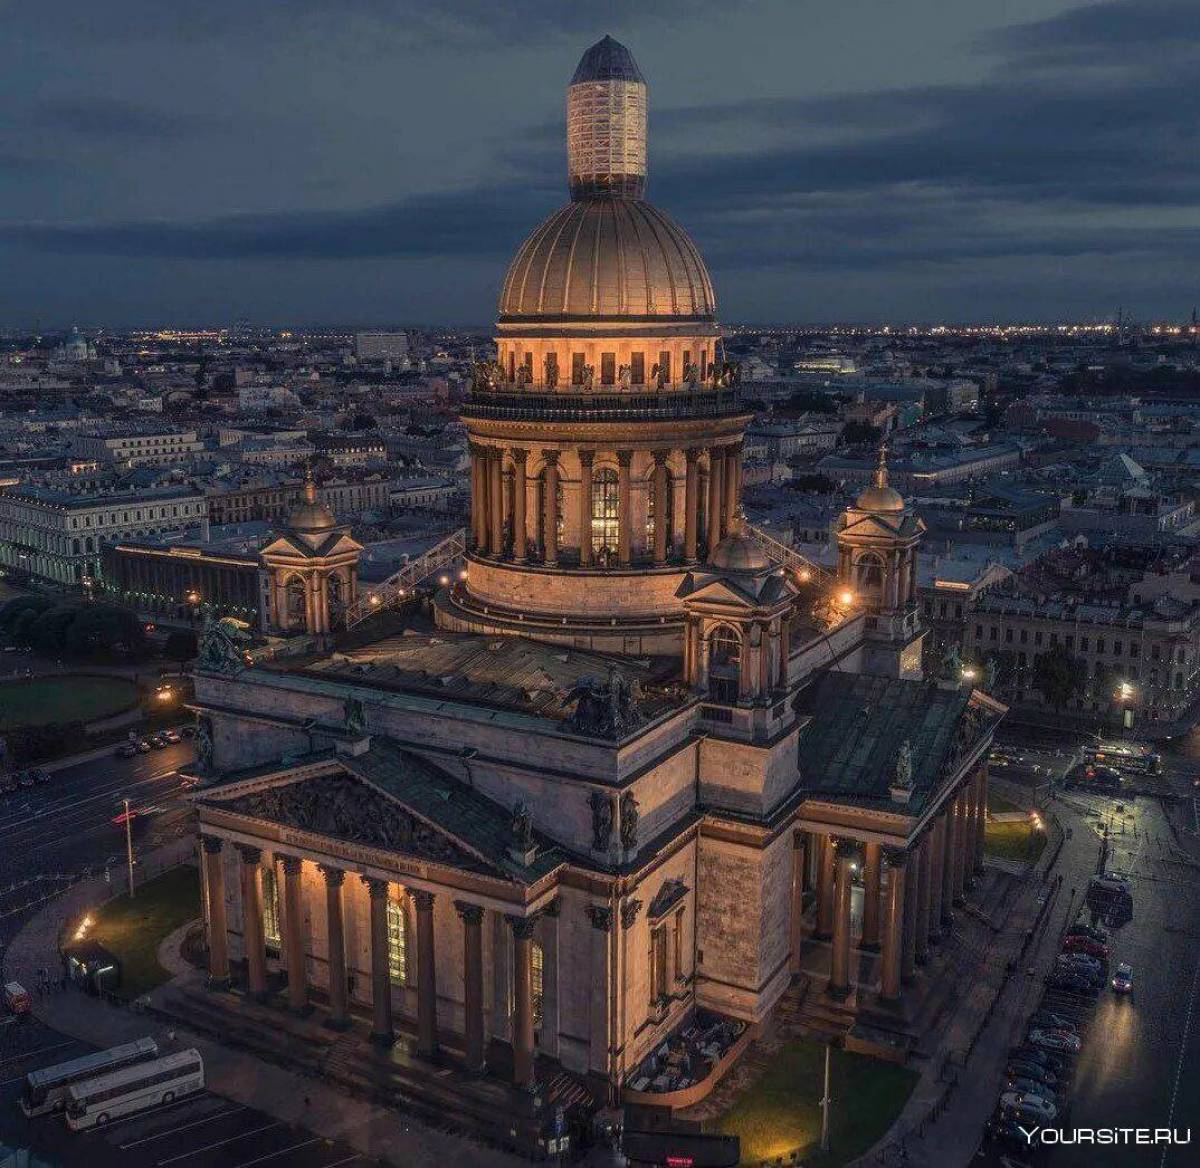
(397, 936)
(870, 572)
(537, 978)
(724, 664)
(605, 514)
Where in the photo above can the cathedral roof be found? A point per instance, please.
(608, 258)
(607, 60)
(858, 723)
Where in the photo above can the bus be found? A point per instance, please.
(1135, 757)
(46, 1090)
(95, 1102)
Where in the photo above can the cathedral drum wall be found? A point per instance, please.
(637, 593)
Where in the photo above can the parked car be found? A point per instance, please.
(9, 785)
(1055, 1040)
(1028, 1107)
(1081, 944)
(143, 747)
(127, 750)
(1084, 961)
(172, 736)
(16, 999)
(1082, 930)
(1122, 979)
(1070, 981)
(1025, 1086)
(1049, 1059)
(1021, 1069)
(187, 731)
(1048, 1020)
(41, 776)
(1007, 1132)
(159, 742)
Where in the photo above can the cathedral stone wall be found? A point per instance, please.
(744, 777)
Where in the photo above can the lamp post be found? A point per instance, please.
(825, 1103)
(129, 845)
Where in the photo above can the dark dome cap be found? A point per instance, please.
(607, 60)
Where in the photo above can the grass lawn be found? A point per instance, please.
(134, 929)
(782, 1110)
(999, 805)
(63, 699)
(1013, 841)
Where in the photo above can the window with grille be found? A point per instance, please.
(608, 368)
(576, 368)
(637, 368)
(605, 511)
(270, 888)
(397, 938)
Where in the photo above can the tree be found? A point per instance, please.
(10, 610)
(858, 432)
(180, 645)
(48, 634)
(22, 628)
(1058, 676)
(103, 630)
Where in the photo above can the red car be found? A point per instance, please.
(1077, 944)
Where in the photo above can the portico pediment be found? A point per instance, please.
(345, 808)
(289, 545)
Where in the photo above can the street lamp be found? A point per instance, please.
(969, 673)
(846, 597)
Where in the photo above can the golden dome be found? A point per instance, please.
(879, 496)
(309, 515)
(614, 258)
(737, 552)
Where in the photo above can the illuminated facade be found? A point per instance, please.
(638, 773)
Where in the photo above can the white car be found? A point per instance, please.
(1028, 1107)
(1054, 1040)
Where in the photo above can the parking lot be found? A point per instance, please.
(204, 1130)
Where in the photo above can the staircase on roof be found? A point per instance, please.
(442, 558)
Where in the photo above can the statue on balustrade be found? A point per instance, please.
(604, 709)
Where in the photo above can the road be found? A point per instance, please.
(52, 834)
(202, 1131)
(1140, 1066)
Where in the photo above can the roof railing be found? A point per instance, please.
(787, 557)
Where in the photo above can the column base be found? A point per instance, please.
(838, 993)
(383, 1038)
(891, 1002)
(218, 985)
(476, 1072)
(339, 1024)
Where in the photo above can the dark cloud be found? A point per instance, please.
(108, 117)
(1070, 152)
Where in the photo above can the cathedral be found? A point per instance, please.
(635, 770)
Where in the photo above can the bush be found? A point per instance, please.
(12, 609)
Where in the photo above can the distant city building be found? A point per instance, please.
(140, 447)
(381, 347)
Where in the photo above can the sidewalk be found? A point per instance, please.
(374, 1131)
(958, 1082)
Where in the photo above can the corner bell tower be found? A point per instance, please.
(877, 539)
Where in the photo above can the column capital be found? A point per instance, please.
(376, 887)
(249, 853)
(661, 457)
(423, 899)
(471, 914)
(692, 454)
(212, 844)
(601, 916)
(519, 454)
(292, 865)
(551, 457)
(845, 847)
(522, 927)
(334, 877)
(624, 457)
(587, 457)
(629, 912)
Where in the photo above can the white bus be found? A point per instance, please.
(45, 1090)
(1134, 757)
(97, 1101)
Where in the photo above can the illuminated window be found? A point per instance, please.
(270, 889)
(397, 935)
(605, 512)
(537, 980)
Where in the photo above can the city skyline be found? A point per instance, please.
(865, 166)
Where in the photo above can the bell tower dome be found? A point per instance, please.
(877, 538)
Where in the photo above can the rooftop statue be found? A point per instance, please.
(222, 644)
(604, 709)
(904, 767)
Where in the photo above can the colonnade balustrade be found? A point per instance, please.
(500, 504)
(909, 893)
(383, 1029)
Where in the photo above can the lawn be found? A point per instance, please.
(782, 1110)
(43, 700)
(134, 929)
(1016, 840)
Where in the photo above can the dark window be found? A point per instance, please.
(664, 366)
(577, 368)
(637, 368)
(551, 369)
(512, 366)
(978, 629)
(608, 369)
